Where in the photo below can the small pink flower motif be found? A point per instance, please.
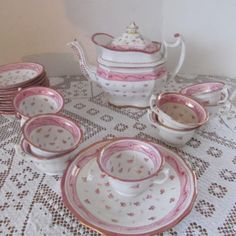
(39, 130)
(122, 204)
(114, 220)
(139, 172)
(130, 214)
(180, 138)
(151, 185)
(130, 161)
(172, 177)
(119, 156)
(97, 191)
(135, 186)
(137, 203)
(110, 196)
(84, 179)
(149, 196)
(172, 200)
(151, 208)
(107, 207)
(102, 176)
(162, 191)
(107, 184)
(152, 218)
(87, 201)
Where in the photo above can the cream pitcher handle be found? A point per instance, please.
(179, 42)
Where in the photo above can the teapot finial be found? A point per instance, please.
(132, 28)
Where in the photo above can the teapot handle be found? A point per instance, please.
(179, 42)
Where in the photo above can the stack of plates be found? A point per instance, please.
(16, 76)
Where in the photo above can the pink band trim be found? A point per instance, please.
(131, 77)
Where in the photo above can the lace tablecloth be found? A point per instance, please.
(30, 201)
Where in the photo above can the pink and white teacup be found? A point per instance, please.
(209, 93)
(33, 101)
(50, 135)
(51, 166)
(132, 165)
(178, 111)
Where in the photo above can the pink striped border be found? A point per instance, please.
(124, 77)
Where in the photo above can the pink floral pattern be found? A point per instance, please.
(146, 213)
(38, 100)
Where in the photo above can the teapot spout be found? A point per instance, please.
(86, 69)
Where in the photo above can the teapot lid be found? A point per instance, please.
(132, 40)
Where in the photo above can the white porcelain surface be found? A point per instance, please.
(171, 136)
(132, 165)
(94, 202)
(50, 166)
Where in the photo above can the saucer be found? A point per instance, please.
(15, 75)
(89, 196)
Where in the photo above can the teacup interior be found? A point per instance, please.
(52, 138)
(180, 112)
(38, 104)
(130, 165)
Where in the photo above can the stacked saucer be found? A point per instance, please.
(17, 76)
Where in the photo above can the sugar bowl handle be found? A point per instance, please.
(179, 42)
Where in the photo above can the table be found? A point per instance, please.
(30, 201)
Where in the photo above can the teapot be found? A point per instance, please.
(130, 68)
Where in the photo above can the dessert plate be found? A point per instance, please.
(12, 75)
(88, 195)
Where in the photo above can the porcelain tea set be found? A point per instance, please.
(124, 186)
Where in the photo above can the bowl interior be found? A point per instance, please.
(52, 133)
(130, 160)
(182, 109)
(203, 88)
(38, 100)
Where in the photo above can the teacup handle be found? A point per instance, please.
(17, 115)
(19, 151)
(150, 118)
(166, 173)
(225, 92)
(152, 104)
